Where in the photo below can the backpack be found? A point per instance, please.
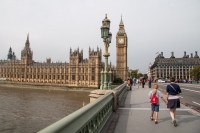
(154, 99)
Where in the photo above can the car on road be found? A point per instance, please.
(167, 81)
(161, 81)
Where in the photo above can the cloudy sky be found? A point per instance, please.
(56, 25)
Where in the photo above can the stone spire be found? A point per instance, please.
(121, 28)
(27, 44)
(150, 64)
(26, 53)
(10, 50)
(9, 56)
(121, 22)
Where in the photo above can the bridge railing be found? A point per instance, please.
(120, 90)
(90, 118)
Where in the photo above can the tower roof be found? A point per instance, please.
(121, 28)
(121, 22)
(27, 41)
(10, 49)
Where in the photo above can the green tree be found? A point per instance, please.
(139, 75)
(132, 74)
(129, 74)
(195, 72)
(118, 80)
(145, 76)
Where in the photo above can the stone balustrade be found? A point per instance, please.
(92, 117)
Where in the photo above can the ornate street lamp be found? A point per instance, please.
(106, 80)
(109, 37)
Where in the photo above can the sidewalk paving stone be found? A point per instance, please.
(135, 116)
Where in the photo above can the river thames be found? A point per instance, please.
(30, 110)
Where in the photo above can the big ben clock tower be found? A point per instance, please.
(121, 52)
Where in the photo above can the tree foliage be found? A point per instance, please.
(145, 76)
(118, 80)
(133, 74)
(140, 75)
(195, 73)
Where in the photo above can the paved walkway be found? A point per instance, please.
(135, 116)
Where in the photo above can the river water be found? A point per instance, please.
(30, 110)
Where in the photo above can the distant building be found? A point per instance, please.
(149, 70)
(176, 67)
(78, 72)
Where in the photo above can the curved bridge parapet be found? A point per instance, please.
(90, 118)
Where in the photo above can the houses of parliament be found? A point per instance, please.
(78, 72)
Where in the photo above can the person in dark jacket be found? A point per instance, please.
(173, 91)
(143, 82)
(150, 80)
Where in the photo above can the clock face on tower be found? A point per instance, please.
(120, 40)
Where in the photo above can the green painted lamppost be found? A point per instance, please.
(106, 80)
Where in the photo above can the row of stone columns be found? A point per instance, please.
(167, 73)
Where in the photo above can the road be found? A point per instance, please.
(190, 94)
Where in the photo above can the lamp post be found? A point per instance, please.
(106, 83)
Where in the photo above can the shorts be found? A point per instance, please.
(155, 107)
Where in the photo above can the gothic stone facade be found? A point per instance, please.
(121, 52)
(174, 67)
(78, 72)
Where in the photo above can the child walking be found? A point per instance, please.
(155, 106)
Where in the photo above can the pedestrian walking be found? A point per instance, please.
(149, 81)
(154, 95)
(134, 81)
(138, 82)
(143, 82)
(129, 84)
(173, 91)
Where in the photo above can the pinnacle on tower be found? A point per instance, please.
(121, 22)
(28, 36)
(121, 27)
(10, 50)
(27, 40)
